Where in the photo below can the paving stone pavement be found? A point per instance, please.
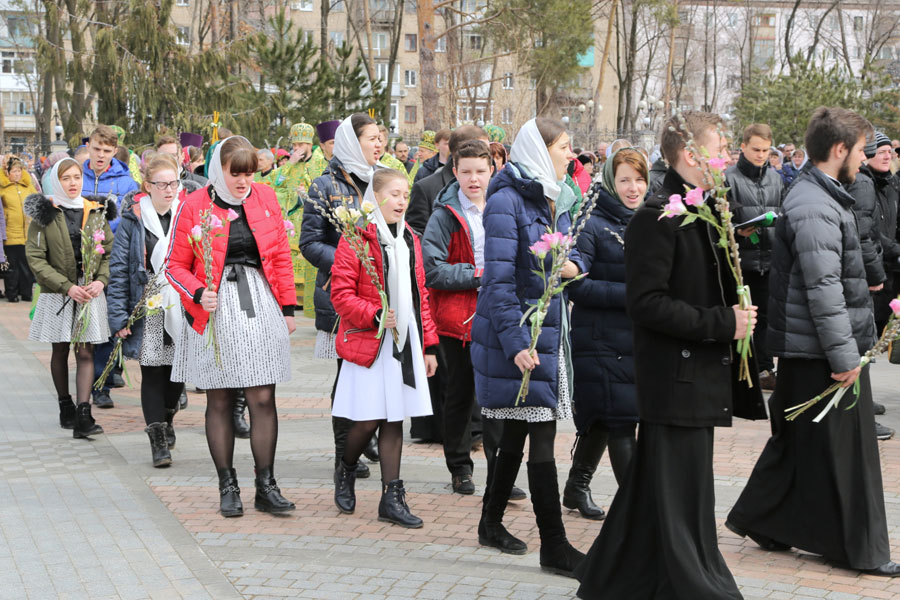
(94, 520)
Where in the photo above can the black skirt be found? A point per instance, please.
(817, 486)
(659, 540)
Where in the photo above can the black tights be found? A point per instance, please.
(541, 435)
(390, 445)
(263, 425)
(84, 370)
(158, 393)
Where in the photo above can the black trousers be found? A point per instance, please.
(759, 292)
(158, 393)
(882, 301)
(19, 279)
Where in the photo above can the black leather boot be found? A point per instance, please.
(371, 451)
(241, 428)
(268, 495)
(621, 449)
(230, 504)
(577, 493)
(85, 425)
(557, 554)
(170, 430)
(345, 488)
(158, 445)
(502, 473)
(66, 413)
(339, 427)
(393, 507)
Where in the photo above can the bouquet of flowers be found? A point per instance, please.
(200, 239)
(890, 334)
(714, 175)
(91, 252)
(149, 303)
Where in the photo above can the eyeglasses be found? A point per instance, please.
(164, 185)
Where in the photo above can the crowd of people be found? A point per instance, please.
(424, 318)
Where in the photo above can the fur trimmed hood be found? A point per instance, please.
(41, 208)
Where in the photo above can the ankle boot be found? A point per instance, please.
(502, 471)
(170, 430)
(577, 493)
(241, 428)
(66, 413)
(268, 495)
(557, 554)
(230, 504)
(393, 507)
(339, 427)
(371, 451)
(621, 449)
(158, 446)
(85, 425)
(345, 488)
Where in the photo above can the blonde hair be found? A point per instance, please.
(384, 176)
(159, 162)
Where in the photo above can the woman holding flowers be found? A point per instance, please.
(67, 250)
(388, 357)
(230, 263)
(527, 212)
(136, 263)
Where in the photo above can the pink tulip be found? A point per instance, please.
(214, 222)
(674, 208)
(895, 306)
(99, 236)
(717, 164)
(540, 249)
(289, 227)
(694, 197)
(99, 249)
(231, 215)
(197, 233)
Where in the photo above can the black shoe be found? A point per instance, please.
(170, 430)
(502, 472)
(393, 507)
(495, 535)
(85, 425)
(241, 428)
(888, 569)
(371, 449)
(230, 504)
(183, 401)
(268, 495)
(882, 432)
(878, 408)
(66, 413)
(463, 484)
(158, 446)
(102, 400)
(362, 470)
(26, 298)
(345, 488)
(557, 554)
(766, 543)
(767, 380)
(577, 493)
(517, 494)
(116, 381)
(13, 299)
(477, 442)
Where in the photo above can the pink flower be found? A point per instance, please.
(540, 248)
(289, 227)
(231, 215)
(99, 249)
(99, 236)
(895, 306)
(694, 197)
(674, 208)
(554, 239)
(196, 233)
(717, 164)
(214, 222)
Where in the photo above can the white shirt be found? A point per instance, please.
(474, 216)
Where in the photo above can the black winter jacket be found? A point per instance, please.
(754, 192)
(657, 175)
(423, 194)
(820, 306)
(887, 186)
(866, 209)
(428, 167)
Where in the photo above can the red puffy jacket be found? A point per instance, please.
(454, 309)
(185, 271)
(356, 300)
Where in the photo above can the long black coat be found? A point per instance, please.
(679, 295)
(602, 344)
(423, 194)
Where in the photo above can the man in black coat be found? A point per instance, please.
(681, 296)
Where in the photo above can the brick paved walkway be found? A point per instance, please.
(94, 520)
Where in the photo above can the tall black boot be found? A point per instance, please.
(345, 488)
(502, 473)
(621, 449)
(230, 504)
(371, 451)
(268, 494)
(557, 554)
(170, 430)
(158, 445)
(66, 413)
(241, 428)
(85, 426)
(577, 493)
(393, 507)
(340, 426)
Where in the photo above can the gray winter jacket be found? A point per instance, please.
(866, 209)
(754, 192)
(820, 307)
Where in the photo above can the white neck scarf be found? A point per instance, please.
(56, 192)
(530, 151)
(217, 176)
(349, 152)
(399, 283)
(150, 220)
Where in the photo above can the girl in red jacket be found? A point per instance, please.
(253, 298)
(382, 380)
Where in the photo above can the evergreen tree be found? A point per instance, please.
(350, 89)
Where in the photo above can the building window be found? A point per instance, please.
(337, 6)
(304, 5)
(440, 80)
(16, 103)
(475, 41)
(886, 53)
(182, 2)
(409, 114)
(857, 23)
(409, 78)
(20, 63)
(506, 116)
(410, 42)
(336, 37)
(507, 81)
(183, 35)
(309, 36)
(440, 44)
(763, 53)
(764, 20)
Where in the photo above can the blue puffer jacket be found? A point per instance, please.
(602, 344)
(116, 180)
(516, 216)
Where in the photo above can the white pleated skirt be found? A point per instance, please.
(55, 320)
(378, 392)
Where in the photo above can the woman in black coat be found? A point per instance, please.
(605, 402)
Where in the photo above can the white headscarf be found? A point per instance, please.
(399, 283)
(530, 151)
(150, 220)
(349, 152)
(56, 191)
(217, 175)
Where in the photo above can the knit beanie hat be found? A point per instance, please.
(875, 143)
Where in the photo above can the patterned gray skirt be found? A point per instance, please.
(540, 414)
(154, 350)
(253, 350)
(55, 320)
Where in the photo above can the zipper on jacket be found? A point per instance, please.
(358, 330)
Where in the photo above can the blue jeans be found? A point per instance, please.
(101, 356)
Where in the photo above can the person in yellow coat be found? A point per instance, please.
(427, 149)
(293, 177)
(15, 186)
(387, 159)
